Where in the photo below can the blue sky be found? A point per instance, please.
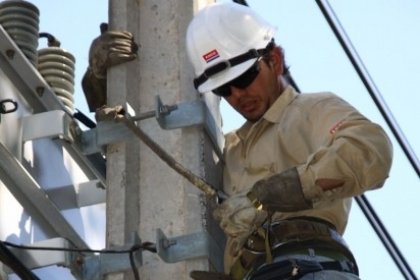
(385, 34)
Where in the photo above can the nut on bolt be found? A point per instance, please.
(10, 54)
(40, 91)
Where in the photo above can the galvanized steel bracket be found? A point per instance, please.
(182, 115)
(189, 114)
(180, 248)
(95, 267)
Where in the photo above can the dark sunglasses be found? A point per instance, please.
(241, 82)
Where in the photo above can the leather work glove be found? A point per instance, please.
(238, 218)
(109, 113)
(109, 49)
(281, 192)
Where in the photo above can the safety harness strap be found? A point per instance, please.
(298, 236)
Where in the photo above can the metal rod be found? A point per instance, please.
(361, 70)
(169, 160)
(164, 110)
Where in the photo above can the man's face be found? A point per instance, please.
(253, 101)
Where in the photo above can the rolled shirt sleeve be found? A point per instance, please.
(352, 150)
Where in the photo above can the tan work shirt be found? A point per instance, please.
(324, 137)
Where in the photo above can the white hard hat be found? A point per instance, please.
(223, 33)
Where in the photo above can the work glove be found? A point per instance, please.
(109, 49)
(281, 192)
(238, 218)
(109, 113)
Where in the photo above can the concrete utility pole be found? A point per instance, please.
(144, 194)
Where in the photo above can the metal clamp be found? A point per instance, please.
(95, 267)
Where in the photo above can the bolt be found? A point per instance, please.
(40, 91)
(168, 243)
(79, 260)
(10, 54)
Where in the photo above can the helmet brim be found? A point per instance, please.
(225, 76)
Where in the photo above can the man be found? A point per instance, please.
(293, 167)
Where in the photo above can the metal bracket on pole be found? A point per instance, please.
(95, 267)
(189, 114)
(176, 249)
(182, 115)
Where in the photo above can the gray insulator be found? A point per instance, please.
(20, 19)
(56, 66)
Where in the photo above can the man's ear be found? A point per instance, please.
(276, 60)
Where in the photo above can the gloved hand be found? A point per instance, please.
(281, 192)
(239, 219)
(109, 49)
(105, 113)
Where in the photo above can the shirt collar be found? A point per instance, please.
(273, 113)
(286, 97)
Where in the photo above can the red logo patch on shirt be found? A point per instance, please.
(211, 55)
(334, 129)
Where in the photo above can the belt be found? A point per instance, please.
(295, 268)
(296, 236)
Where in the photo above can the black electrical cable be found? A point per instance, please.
(133, 264)
(146, 246)
(80, 116)
(9, 259)
(362, 201)
(52, 41)
(345, 43)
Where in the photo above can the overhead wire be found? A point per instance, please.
(26, 274)
(370, 86)
(9, 259)
(375, 94)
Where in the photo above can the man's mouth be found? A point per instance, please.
(247, 106)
